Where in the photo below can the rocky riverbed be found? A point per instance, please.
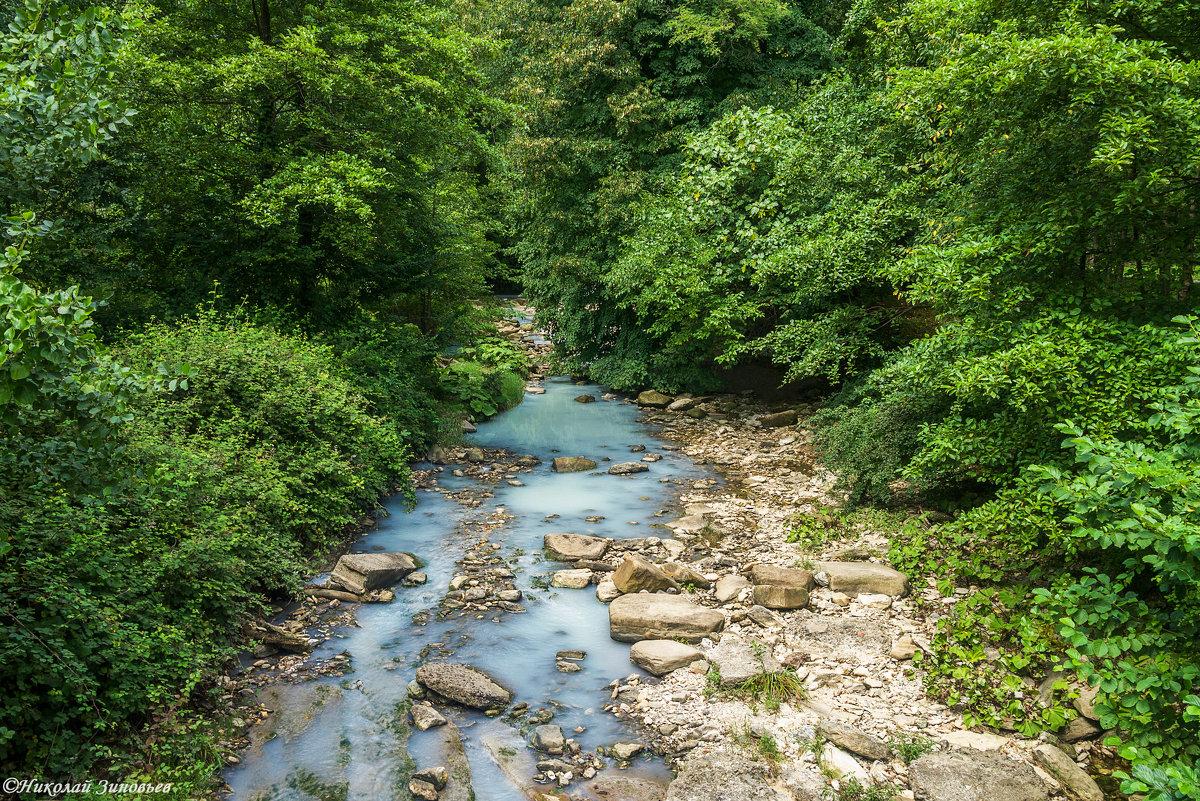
(839, 620)
(484, 658)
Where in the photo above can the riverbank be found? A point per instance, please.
(864, 717)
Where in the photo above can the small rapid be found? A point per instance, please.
(348, 737)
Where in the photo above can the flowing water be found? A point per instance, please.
(341, 737)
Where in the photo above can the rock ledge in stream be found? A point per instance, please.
(362, 572)
(573, 464)
(659, 616)
(572, 547)
(463, 684)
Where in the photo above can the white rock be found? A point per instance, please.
(841, 764)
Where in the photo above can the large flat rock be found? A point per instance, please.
(1073, 778)
(660, 657)
(654, 399)
(659, 616)
(777, 596)
(853, 578)
(628, 788)
(362, 572)
(775, 575)
(740, 658)
(974, 776)
(463, 684)
(723, 773)
(573, 547)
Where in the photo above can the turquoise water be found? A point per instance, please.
(337, 735)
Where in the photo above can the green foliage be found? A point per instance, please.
(393, 366)
(851, 789)
(56, 94)
(771, 689)
(1125, 621)
(910, 747)
(486, 376)
(1176, 781)
(989, 656)
(122, 598)
(598, 138)
(317, 159)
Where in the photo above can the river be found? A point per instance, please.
(342, 738)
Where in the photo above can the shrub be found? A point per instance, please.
(121, 599)
(486, 377)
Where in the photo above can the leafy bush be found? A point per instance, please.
(988, 658)
(1127, 619)
(486, 377)
(121, 599)
(392, 365)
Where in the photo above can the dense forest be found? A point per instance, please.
(250, 251)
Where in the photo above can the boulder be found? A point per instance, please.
(974, 776)
(774, 596)
(1086, 702)
(681, 404)
(458, 768)
(1074, 779)
(570, 547)
(571, 579)
(659, 616)
(682, 574)
(723, 773)
(463, 684)
(635, 574)
(437, 776)
(606, 590)
(764, 617)
(549, 738)
(660, 657)
(853, 578)
(425, 717)
(688, 524)
(775, 575)
(853, 740)
(874, 600)
(585, 398)
(627, 468)
(1080, 729)
(738, 659)
(728, 587)
(627, 788)
(573, 464)
(904, 648)
(842, 765)
(362, 572)
(654, 399)
(422, 790)
(787, 417)
(627, 751)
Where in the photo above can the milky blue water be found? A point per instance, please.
(336, 735)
